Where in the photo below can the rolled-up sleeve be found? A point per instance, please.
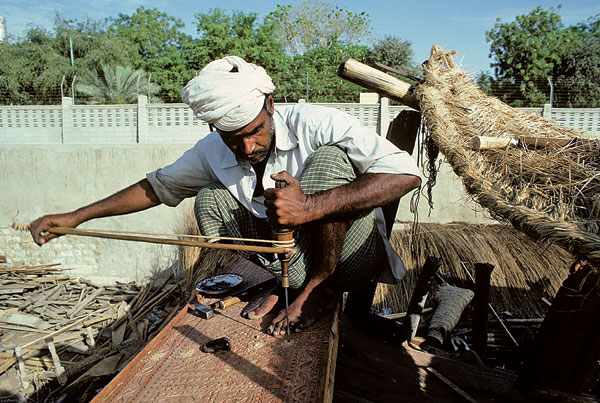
(183, 178)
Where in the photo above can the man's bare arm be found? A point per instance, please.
(136, 197)
(290, 206)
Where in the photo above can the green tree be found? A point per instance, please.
(114, 85)
(313, 75)
(526, 52)
(32, 70)
(92, 44)
(240, 34)
(161, 46)
(577, 78)
(312, 24)
(394, 52)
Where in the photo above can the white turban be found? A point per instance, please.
(228, 100)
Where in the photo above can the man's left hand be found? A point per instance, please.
(287, 206)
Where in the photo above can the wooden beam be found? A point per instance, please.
(566, 349)
(378, 81)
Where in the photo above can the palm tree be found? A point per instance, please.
(115, 85)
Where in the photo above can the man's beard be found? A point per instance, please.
(260, 156)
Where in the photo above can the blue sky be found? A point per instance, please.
(458, 24)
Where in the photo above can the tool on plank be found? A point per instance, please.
(284, 236)
(207, 311)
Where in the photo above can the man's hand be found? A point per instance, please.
(287, 206)
(39, 227)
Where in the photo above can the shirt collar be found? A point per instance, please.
(219, 154)
(285, 139)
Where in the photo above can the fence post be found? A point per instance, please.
(142, 119)
(67, 120)
(384, 115)
(547, 111)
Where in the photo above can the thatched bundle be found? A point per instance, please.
(525, 270)
(549, 193)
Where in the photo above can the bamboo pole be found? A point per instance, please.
(378, 81)
(165, 241)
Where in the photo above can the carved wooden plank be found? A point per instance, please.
(258, 368)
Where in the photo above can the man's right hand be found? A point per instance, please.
(39, 227)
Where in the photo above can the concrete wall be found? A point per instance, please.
(37, 180)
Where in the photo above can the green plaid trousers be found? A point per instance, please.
(219, 214)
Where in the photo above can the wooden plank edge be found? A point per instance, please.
(334, 338)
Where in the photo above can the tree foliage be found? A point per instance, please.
(109, 55)
(313, 76)
(32, 70)
(159, 42)
(115, 85)
(393, 52)
(537, 47)
(312, 24)
(578, 76)
(238, 33)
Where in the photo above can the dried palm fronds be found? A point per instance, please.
(525, 270)
(197, 263)
(549, 193)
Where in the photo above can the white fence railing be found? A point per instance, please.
(175, 123)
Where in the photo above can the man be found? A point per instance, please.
(336, 173)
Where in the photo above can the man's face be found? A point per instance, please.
(253, 141)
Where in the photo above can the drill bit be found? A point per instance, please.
(285, 235)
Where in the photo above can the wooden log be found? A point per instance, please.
(567, 347)
(481, 143)
(378, 81)
(419, 297)
(483, 272)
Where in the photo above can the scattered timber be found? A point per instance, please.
(56, 328)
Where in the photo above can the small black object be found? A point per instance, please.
(201, 311)
(222, 344)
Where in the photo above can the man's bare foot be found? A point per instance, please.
(260, 306)
(307, 308)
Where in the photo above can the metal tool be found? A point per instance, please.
(285, 236)
(207, 311)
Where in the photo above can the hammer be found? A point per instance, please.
(207, 312)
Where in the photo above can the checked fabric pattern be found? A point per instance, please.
(219, 214)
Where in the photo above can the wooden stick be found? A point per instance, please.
(483, 273)
(378, 81)
(492, 143)
(165, 241)
(417, 301)
(447, 381)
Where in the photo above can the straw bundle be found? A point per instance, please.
(525, 270)
(194, 264)
(549, 193)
